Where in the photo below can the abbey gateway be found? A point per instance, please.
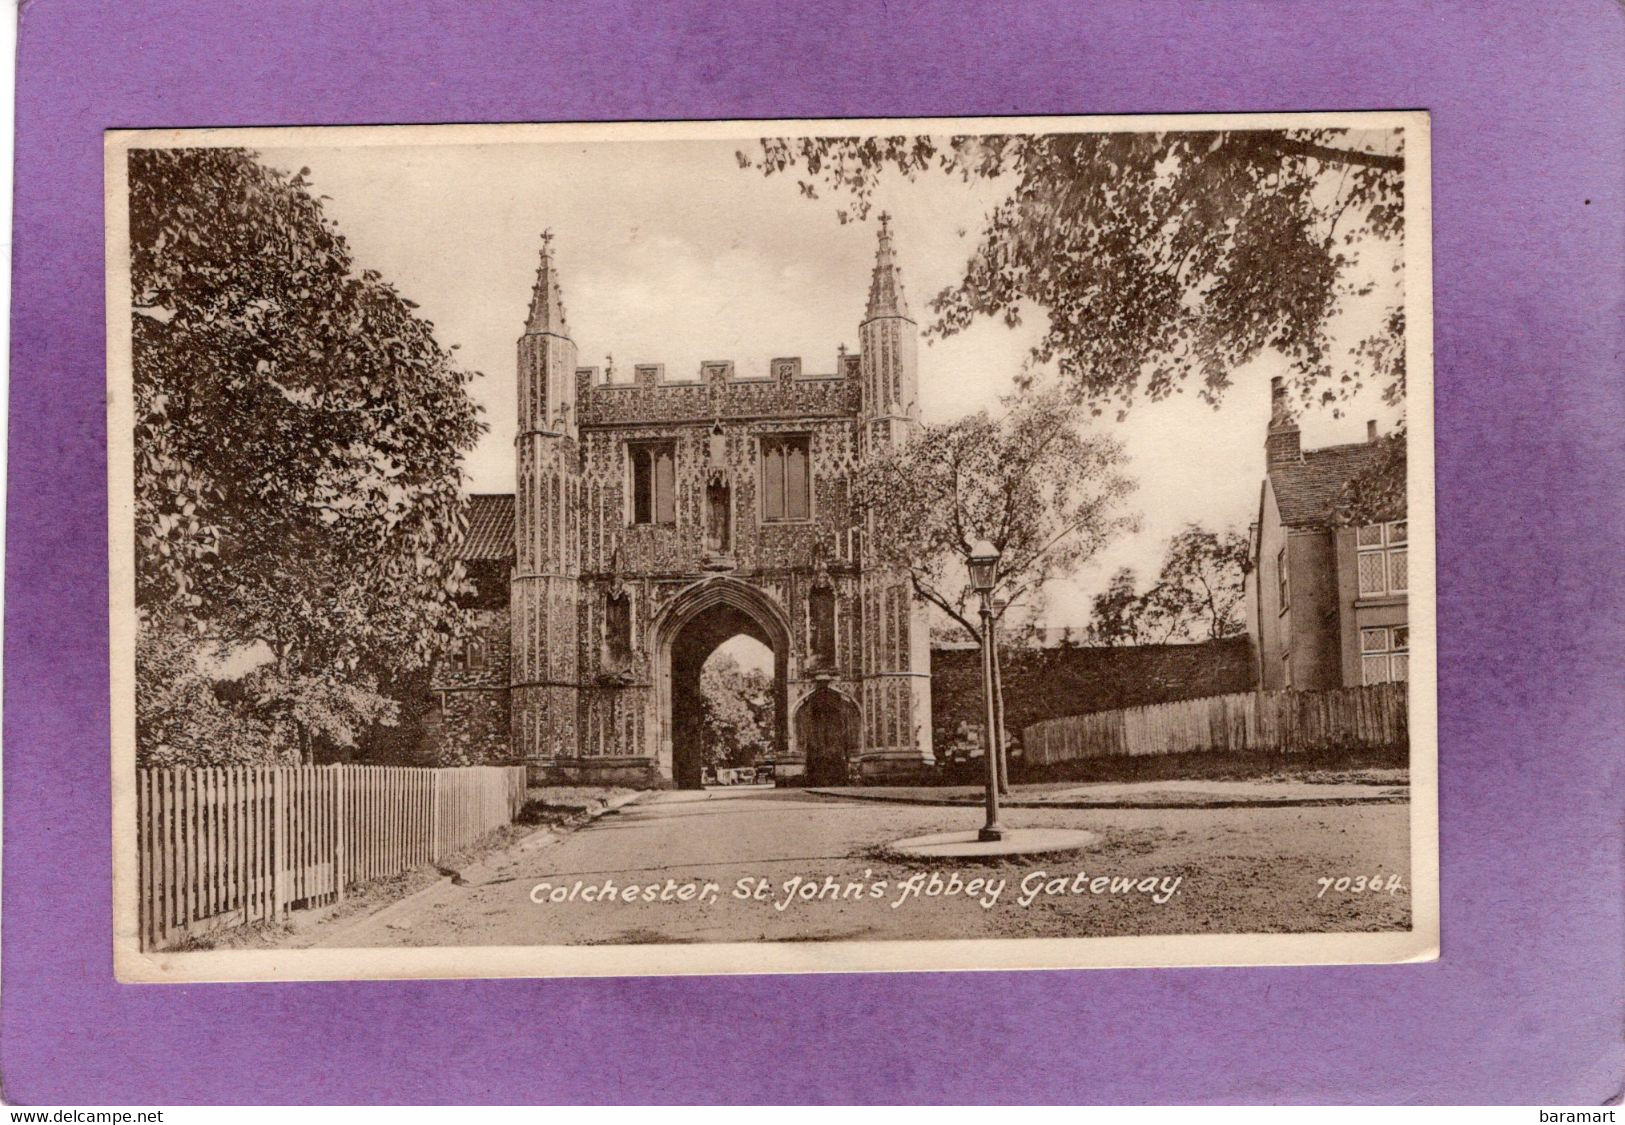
(655, 519)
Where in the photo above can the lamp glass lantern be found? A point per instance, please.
(983, 565)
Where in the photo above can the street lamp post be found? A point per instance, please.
(998, 699)
(984, 568)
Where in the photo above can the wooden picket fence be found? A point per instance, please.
(233, 845)
(1281, 722)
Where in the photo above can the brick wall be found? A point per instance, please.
(1051, 682)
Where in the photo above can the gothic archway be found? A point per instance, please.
(686, 632)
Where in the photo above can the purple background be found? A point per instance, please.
(1526, 1003)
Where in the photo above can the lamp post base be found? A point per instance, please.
(990, 833)
(967, 843)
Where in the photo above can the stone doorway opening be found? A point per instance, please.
(828, 726)
(732, 725)
(715, 638)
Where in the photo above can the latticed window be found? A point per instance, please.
(1385, 654)
(1383, 550)
(654, 482)
(786, 481)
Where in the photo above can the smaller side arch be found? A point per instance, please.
(828, 728)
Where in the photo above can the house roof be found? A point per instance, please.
(490, 527)
(1306, 490)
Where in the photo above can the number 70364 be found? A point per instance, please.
(1360, 884)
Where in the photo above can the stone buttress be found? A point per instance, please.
(896, 634)
(547, 537)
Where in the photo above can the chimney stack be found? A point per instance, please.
(1281, 443)
(1371, 429)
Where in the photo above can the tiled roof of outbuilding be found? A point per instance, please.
(490, 527)
(1306, 490)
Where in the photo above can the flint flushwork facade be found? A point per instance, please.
(654, 519)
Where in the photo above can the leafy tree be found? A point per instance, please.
(1203, 582)
(315, 709)
(1376, 493)
(1160, 259)
(736, 712)
(183, 717)
(1124, 616)
(411, 739)
(1198, 594)
(1156, 256)
(1031, 482)
(299, 438)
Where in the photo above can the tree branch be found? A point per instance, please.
(941, 603)
(1331, 154)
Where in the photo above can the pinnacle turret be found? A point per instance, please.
(886, 284)
(546, 305)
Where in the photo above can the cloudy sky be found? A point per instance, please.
(670, 253)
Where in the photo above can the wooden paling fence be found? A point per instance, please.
(1283, 722)
(233, 845)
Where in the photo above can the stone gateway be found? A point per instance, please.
(655, 519)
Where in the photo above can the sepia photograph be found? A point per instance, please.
(771, 546)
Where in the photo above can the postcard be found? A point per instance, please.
(771, 546)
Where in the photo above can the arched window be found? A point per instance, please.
(654, 482)
(786, 478)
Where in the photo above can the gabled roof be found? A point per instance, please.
(490, 527)
(1306, 490)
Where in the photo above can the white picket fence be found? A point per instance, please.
(1283, 722)
(233, 845)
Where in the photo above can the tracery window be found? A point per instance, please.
(654, 482)
(786, 478)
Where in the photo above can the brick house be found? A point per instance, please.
(1326, 604)
(653, 520)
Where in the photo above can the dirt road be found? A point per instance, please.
(781, 865)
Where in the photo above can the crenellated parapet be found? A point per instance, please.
(717, 391)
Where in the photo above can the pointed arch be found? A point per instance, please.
(722, 590)
(694, 621)
(828, 728)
